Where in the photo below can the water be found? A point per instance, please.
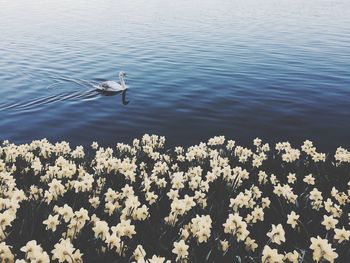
(275, 69)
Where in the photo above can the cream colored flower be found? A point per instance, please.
(322, 250)
(224, 245)
(341, 235)
(292, 219)
(180, 250)
(157, 259)
(271, 256)
(94, 145)
(250, 244)
(292, 257)
(101, 229)
(139, 253)
(277, 234)
(5, 253)
(63, 251)
(329, 222)
(201, 228)
(51, 222)
(235, 225)
(309, 179)
(291, 178)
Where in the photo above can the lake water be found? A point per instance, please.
(276, 69)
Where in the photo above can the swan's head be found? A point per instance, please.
(122, 74)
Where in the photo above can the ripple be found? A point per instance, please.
(39, 103)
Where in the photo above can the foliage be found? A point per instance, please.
(212, 202)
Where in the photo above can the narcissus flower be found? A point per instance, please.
(292, 219)
(329, 222)
(341, 235)
(51, 222)
(63, 251)
(271, 256)
(180, 250)
(277, 234)
(322, 250)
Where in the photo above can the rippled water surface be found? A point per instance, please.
(279, 70)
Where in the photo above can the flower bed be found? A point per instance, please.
(212, 202)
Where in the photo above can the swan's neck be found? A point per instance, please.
(122, 82)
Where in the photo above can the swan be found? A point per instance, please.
(113, 86)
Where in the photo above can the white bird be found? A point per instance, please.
(113, 86)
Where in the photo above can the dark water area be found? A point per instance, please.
(278, 70)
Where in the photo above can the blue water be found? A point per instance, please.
(276, 69)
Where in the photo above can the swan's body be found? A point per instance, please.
(110, 86)
(113, 86)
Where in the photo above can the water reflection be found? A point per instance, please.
(123, 94)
